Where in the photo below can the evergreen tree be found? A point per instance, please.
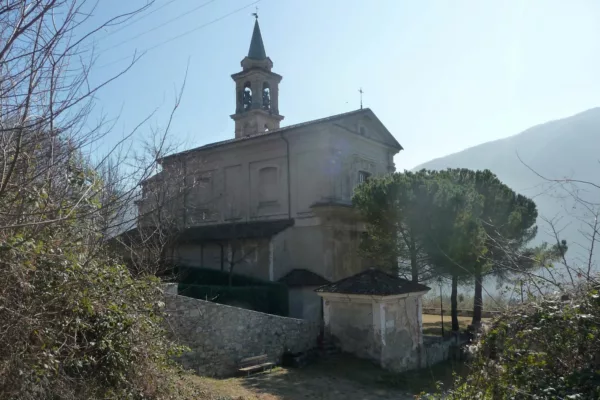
(508, 220)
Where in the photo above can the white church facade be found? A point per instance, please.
(274, 202)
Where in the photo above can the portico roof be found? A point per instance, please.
(236, 231)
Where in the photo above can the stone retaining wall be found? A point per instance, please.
(437, 349)
(220, 336)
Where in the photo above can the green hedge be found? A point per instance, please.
(270, 299)
(213, 285)
(204, 276)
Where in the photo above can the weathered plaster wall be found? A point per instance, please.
(387, 332)
(328, 248)
(402, 336)
(352, 324)
(342, 241)
(299, 247)
(220, 336)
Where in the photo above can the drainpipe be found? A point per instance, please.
(289, 182)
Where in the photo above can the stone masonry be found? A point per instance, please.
(220, 336)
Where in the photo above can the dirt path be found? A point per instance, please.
(341, 377)
(297, 385)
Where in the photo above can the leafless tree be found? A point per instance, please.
(240, 251)
(46, 95)
(60, 201)
(554, 269)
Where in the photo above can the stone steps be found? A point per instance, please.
(329, 348)
(300, 360)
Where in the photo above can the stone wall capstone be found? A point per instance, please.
(219, 336)
(461, 313)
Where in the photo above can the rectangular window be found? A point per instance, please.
(363, 176)
(268, 186)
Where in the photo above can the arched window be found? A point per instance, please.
(266, 128)
(247, 96)
(239, 106)
(266, 96)
(268, 190)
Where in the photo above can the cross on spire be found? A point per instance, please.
(361, 96)
(255, 14)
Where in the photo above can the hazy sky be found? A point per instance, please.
(441, 75)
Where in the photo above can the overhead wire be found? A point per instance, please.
(148, 49)
(184, 14)
(137, 19)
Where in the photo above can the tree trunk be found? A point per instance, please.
(478, 297)
(222, 257)
(231, 265)
(454, 303)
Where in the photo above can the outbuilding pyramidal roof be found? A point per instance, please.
(375, 283)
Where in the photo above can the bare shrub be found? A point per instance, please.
(74, 322)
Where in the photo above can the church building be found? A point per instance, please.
(274, 202)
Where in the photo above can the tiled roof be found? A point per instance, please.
(336, 203)
(274, 132)
(220, 232)
(373, 282)
(303, 277)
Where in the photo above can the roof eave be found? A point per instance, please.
(368, 298)
(395, 142)
(270, 134)
(256, 69)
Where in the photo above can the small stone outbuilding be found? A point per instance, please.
(377, 316)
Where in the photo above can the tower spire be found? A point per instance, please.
(257, 90)
(257, 48)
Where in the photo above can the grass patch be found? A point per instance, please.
(222, 389)
(432, 324)
(340, 377)
(426, 379)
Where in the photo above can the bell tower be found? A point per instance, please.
(257, 91)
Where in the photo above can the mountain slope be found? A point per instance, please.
(565, 148)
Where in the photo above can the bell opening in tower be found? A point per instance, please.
(247, 97)
(266, 97)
